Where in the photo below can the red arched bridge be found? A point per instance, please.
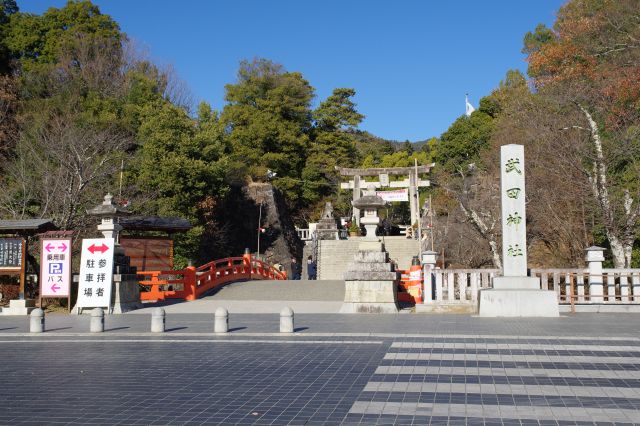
(190, 283)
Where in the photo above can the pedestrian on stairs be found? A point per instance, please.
(296, 269)
(312, 269)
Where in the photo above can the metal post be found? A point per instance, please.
(259, 223)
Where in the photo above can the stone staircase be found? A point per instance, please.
(335, 255)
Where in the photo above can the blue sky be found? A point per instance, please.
(410, 62)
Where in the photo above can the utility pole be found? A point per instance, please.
(259, 229)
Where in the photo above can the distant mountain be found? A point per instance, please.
(367, 142)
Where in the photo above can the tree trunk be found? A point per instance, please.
(484, 230)
(621, 247)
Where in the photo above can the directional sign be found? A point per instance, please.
(55, 268)
(96, 273)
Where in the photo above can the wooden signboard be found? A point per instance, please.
(11, 254)
(149, 253)
(13, 259)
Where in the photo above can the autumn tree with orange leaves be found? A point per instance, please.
(590, 63)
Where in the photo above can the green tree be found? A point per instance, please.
(178, 170)
(332, 145)
(7, 8)
(37, 40)
(267, 122)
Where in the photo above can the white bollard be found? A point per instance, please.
(97, 321)
(36, 321)
(157, 320)
(286, 320)
(221, 322)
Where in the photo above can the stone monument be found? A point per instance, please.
(514, 294)
(327, 227)
(370, 281)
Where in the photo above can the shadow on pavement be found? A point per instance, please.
(175, 329)
(236, 329)
(116, 328)
(300, 329)
(57, 329)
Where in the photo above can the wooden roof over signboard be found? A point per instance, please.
(155, 223)
(26, 226)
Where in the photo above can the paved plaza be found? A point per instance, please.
(336, 369)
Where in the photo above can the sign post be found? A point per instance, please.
(55, 268)
(96, 273)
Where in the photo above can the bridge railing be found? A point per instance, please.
(190, 283)
(161, 285)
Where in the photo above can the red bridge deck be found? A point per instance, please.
(191, 283)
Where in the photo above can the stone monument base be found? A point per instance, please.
(19, 307)
(512, 302)
(125, 295)
(375, 297)
(521, 283)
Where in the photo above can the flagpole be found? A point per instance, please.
(418, 207)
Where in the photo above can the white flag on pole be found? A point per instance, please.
(469, 107)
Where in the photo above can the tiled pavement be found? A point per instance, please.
(127, 376)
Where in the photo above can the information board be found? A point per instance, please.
(55, 267)
(96, 273)
(11, 253)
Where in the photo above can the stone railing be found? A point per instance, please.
(304, 234)
(460, 285)
(581, 286)
(611, 286)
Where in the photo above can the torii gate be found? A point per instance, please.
(412, 181)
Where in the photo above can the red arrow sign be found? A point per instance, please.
(49, 247)
(62, 247)
(101, 248)
(54, 288)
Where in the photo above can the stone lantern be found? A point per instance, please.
(371, 280)
(107, 212)
(370, 203)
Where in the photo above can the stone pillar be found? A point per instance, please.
(514, 294)
(356, 195)
(428, 265)
(595, 257)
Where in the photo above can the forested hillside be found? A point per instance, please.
(82, 112)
